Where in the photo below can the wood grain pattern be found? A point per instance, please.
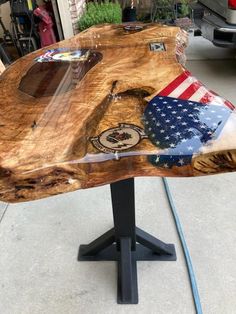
(50, 111)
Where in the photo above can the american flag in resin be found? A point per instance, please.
(181, 127)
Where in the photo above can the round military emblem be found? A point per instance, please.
(118, 139)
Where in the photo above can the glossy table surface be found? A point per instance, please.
(111, 103)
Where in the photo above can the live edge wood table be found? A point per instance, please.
(103, 107)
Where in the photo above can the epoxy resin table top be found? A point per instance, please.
(113, 102)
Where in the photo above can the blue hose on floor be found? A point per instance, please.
(192, 277)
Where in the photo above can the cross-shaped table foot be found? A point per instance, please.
(126, 243)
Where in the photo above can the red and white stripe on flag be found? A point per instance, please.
(188, 87)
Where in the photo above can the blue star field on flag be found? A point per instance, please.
(181, 127)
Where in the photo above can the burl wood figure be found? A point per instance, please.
(111, 103)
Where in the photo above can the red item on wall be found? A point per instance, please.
(232, 4)
(46, 32)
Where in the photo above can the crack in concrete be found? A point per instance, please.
(4, 212)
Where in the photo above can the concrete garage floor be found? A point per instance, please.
(39, 240)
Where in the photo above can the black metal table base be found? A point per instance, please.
(126, 244)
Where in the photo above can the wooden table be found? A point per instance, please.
(113, 103)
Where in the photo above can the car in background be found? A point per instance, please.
(216, 20)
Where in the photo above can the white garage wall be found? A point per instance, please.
(64, 10)
(5, 15)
